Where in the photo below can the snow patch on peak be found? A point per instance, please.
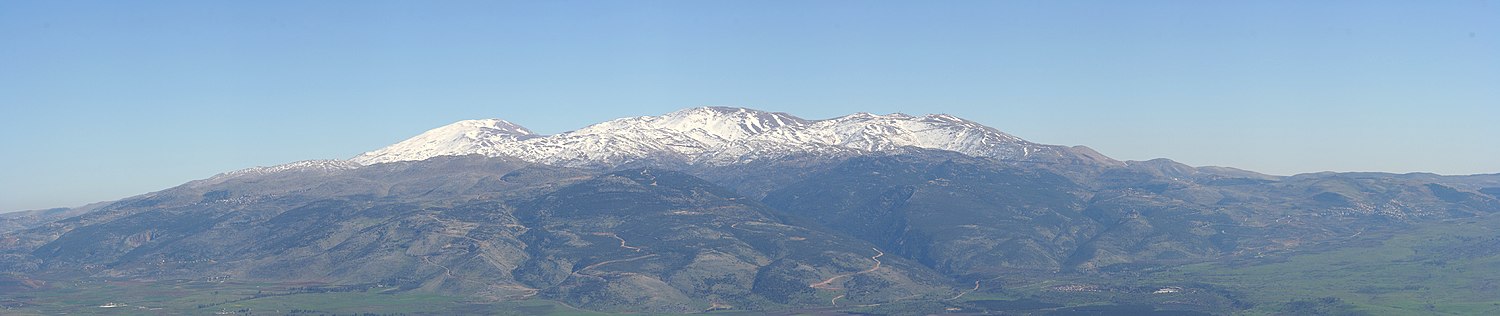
(944, 118)
(460, 138)
(497, 126)
(321, 165)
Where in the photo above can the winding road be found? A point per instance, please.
(622, 245)
(961, 294)
(622, 242)
(828, 284)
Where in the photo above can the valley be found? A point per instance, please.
(1380, 275)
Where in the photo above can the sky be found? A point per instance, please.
(101, 100)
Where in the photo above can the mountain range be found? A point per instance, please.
(733, 209)
(719, 136)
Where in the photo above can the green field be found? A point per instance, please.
(200, 297)
(1441, 268)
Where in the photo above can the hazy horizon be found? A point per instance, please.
(107, 100)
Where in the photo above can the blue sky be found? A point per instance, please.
(102, 100)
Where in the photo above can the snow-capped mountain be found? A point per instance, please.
(714, 136)
(674, 137)
(865, 132)
(484, 137)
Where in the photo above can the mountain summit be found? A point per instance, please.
(721, 136)
(461, 138)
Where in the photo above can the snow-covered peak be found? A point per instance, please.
(721, 122)
(678, 136)
(945, 118)
(716, 124)
(866, 133)
(493, 126)
(865, 116)
(460, 138)
(713, 135)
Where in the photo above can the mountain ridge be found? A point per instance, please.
(720, 135)
(730, 208)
